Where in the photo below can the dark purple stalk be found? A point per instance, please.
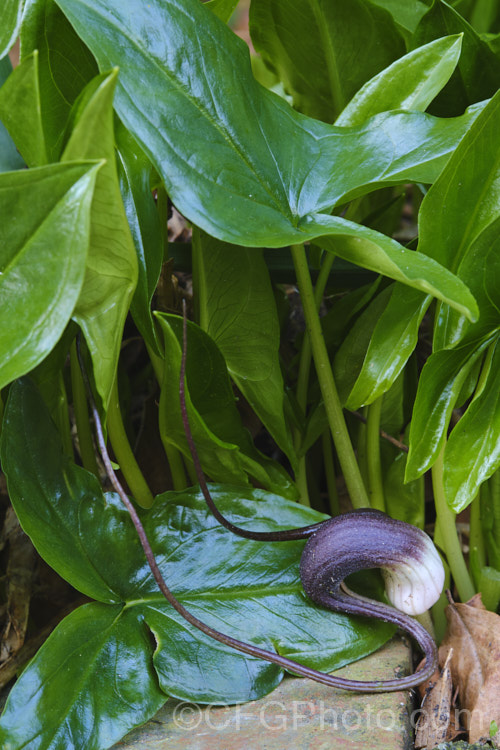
(332, 599)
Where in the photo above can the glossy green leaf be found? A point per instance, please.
(338, 319)
(349, 358)
(10, 159)
(20, 111)
(65, 66)
(478, 70)
(238, 311)
(324, 50)
(225, 447)
(222, 8)
(472, 452)
(111, 272)
(411, 82)
(375, 251)
(439, 386)
(134, 171)
(393, 338)
(43, 250)
(480, 266)
(485, 16)
(396, 331)
(458, 222)
(404, 13)
(236, 159)
(247, 589)
(49, 379)
(90, 683)
(12, 11)
(458, 215)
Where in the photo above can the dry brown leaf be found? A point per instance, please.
(434, 721)
(474, 635)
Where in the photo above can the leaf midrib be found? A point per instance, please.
(330, 57)
(176, 84)
(248, 592)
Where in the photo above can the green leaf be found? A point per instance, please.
(379, 253)
(65, 66)
(12, 11)
(459, 222)
(111, 272)
(404, 13)
(411, 82)
(478, 70)
(20, 111)
(485, 16)
(472, 452)
(90, 683)
(236, 159)
(439, 386)
(324, 50)
(9, 156)
(56, 527)
(49, 379)
(43, 248)
(225, 447)
(238, 311)
(247, 589)
(393, 338)
(134, 171)
(223, 9)
(349, 358)
(459, 218)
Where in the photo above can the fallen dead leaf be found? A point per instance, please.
(474, 635)
(434, 721)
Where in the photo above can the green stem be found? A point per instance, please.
(303, 380)
(331, 399)
(306, 352)
(375, 481)
(477, 554)
(448, 533)
(174, 457)
(124, 454)
(85, 442)
(331, 483)
(438, 609)
(301, 482)
(425, 620)
(191, 470)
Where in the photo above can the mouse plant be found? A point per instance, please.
(351, 156)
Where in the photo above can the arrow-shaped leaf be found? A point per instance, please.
(248, 589)
(43, 249)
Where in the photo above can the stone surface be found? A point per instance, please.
(300, 715)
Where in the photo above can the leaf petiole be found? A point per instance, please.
(124, 454)
(329, 392)
(448, 534)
